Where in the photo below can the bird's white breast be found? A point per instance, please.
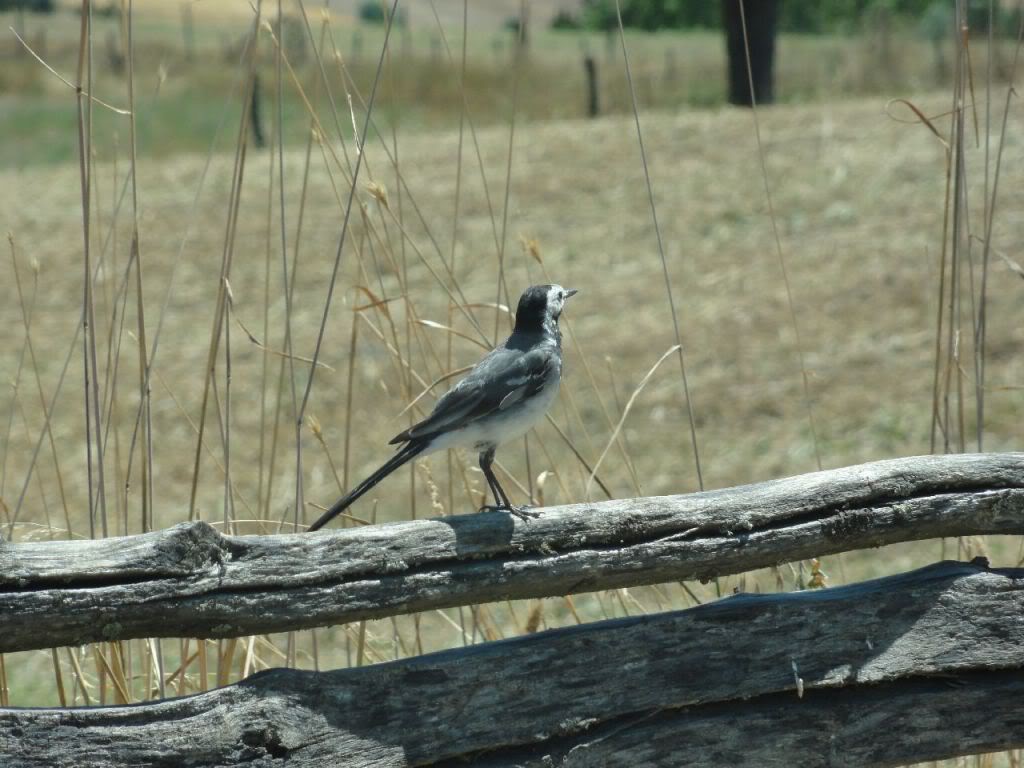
(503, 425)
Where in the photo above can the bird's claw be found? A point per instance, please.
(523, 512)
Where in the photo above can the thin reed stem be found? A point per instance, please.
(209, 370)
(778, 243)
(661, 250)
(348, 213)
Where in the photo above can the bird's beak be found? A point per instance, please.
(571, 292)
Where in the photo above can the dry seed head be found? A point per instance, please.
(435, 495)
(475, 474)
(314, 426)
(379, 193)
(818, 576)
(532, 247)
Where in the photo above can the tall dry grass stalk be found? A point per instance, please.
(661, 250)
(954, 345)
(804, 374)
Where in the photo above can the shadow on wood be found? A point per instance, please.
(919, 666)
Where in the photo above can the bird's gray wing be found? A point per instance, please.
(501, 379)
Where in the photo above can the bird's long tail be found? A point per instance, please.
(408, 452)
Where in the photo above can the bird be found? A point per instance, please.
(500, 399)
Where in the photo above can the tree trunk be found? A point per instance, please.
(760, 17)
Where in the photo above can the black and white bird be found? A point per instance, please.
(504, 395)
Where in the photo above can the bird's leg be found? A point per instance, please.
(486, 459)
(501, 499)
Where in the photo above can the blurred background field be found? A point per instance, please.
(477, 180)
(187, 60)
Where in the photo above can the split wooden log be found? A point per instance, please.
(921, 666)
(191, 581)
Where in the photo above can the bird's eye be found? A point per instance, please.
(561, 295)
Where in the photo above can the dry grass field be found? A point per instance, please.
(435, 253)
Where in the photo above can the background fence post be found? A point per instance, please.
(256, 115)
(590, 66)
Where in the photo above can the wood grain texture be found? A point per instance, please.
(920, 666)
(189, 580)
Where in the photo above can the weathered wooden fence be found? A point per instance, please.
(919, 666)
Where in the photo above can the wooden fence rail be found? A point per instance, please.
(191, 581)
(920, 666)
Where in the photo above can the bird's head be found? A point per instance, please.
(541, 306)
